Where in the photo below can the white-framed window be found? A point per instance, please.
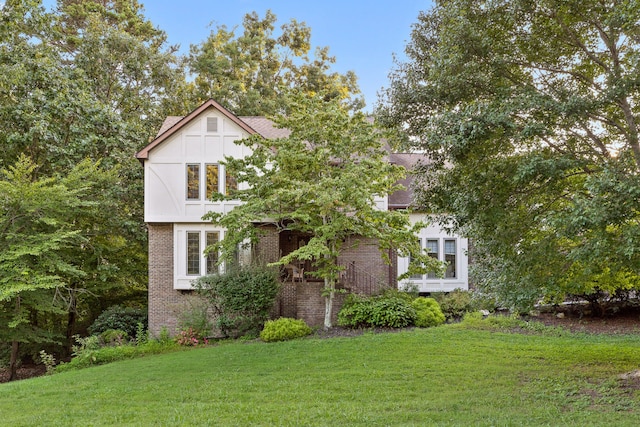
(212, 171)
(216, 179)
(193, 255)
(443, 250)
(193, 181)
(433, 251)
(450, 258)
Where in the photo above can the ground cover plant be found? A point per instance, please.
(449, 375)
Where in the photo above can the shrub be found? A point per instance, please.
(241, 299)
(455, 304)
(428, 312)
(390, 310)
(190, 337)
(196, 319)
(121, 318)
(284, 329)
(114, 337)
(100, 356)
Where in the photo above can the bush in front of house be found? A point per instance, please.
(241, 298)
(389, 310)
(428, 312)
(284, 329)
(455, 304)
(119, 318)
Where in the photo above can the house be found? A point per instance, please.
(182, 168)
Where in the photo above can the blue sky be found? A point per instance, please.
(363, 35)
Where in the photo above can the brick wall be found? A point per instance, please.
(301, 300)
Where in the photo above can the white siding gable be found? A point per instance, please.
(166, 168)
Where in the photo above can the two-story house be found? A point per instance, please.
(182, 168)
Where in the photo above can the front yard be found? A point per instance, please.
(448, 375)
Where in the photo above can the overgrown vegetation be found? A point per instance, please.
(284, 329)
(241, 298)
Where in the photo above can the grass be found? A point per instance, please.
(440, 376)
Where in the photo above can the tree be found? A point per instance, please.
(37, 232)
(321, 180)
(88, 81)
(248, 73)
(529, 110)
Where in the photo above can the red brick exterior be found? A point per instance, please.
(165, 303)
(302, 300)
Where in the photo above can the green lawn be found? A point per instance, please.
(440, 376)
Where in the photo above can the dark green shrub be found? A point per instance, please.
(355, 312)
(428, 312)
(389, 310)
(241, 299)
(455, 304)
(121, 318)
(284, 329)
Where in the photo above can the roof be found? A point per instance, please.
(404, 198)
(265, 127)
(173, 124)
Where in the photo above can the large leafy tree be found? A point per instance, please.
(321, 180)
(529, 110)
(248, 72)
(88, 80)
(40, 240)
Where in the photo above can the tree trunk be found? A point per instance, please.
(13, 362)
(71, 322)
(330, 290)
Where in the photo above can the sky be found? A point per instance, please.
(363, 35)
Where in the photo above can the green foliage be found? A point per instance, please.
(91, 353)
(528, 112)
(249, 72)
(391, 310)
(114, 337)
(48, 360)
(417, 377)
(455, 304)
(85, 84)
(241, 298)
(428, 312)
(284, 329)
(319, 181)
(121, 318)
(195, 320)
(508, 323)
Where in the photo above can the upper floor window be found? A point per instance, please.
(231, 184)
(213, 173)
(193, 182)
(212, 176)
